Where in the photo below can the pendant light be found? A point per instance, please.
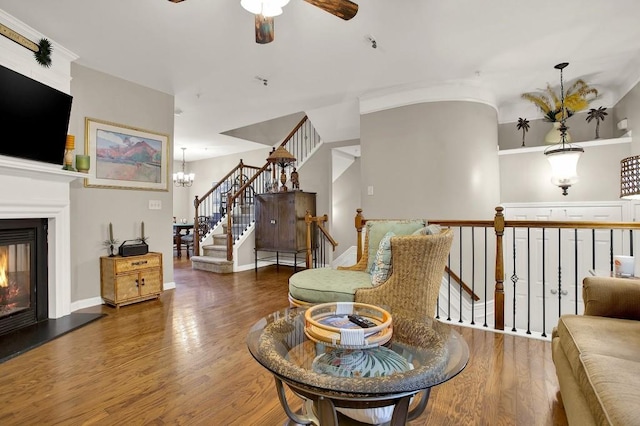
(630, 178)
(564, 156)
(182, 178)
(268, 8)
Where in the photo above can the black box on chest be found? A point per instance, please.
(133, 248)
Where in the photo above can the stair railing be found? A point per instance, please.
(317, 239)
(300, 142)
(212, 206)
(238, 220)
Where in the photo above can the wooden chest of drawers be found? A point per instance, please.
(131, 279)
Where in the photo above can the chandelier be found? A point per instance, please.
(182, 178)
(266, 8)
(564, 156)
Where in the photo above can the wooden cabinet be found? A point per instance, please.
(280, 220)
(131, 279)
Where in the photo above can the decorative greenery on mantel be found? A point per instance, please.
(41, 50)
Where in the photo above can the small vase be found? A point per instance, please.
(554, 135)
(82, 163)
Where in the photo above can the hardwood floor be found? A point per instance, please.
(183, 360)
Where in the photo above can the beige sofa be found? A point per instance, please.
(597, 355)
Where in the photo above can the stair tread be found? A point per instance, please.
(209, 259)
(215, 246)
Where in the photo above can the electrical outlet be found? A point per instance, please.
(155, 204)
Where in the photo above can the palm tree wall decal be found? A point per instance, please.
(598, 115)
(523, 124)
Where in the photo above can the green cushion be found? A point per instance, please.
(327, 285)
(376, 229)
(381, 267)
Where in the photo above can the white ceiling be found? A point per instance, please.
(203, 52)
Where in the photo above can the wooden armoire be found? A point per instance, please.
(280, 225)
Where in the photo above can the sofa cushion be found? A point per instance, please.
(376, 229)
(611, 388)
(324, 285)
(586, 341)
(381, 267)
(611, 297)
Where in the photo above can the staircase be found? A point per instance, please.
(226, 211)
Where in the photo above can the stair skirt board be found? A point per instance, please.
(347, 258)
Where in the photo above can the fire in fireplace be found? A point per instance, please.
(23, 273)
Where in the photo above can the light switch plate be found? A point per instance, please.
(155, 204)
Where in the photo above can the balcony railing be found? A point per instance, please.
(520, 275)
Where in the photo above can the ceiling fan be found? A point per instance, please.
(265, 10)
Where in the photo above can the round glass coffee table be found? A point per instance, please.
(435, 352)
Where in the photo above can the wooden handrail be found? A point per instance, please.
(461, 283)
(197, 201)
(319, 220)
(293, 132)
(571, 224)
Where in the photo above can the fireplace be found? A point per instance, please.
(40, 191)
(23, 273)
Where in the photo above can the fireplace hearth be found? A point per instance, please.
(24, 289)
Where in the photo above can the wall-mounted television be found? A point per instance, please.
(34, 118)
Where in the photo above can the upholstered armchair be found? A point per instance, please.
(417, 262)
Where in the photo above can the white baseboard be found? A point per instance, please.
(86, 303)
(169, 286)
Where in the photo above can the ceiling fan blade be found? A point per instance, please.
(176, 1)
(344, 9)
(264, 29)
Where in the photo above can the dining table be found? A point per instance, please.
(179, 231)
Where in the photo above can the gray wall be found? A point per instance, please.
(629, 108)
(432, 160)
(101, 96)
(525, 177)
(346, 199)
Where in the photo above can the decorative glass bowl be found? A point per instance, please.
(328, 323)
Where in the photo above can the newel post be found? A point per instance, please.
(359, 225)
(498, 225)
(229, 228)
(196, 230)
(308, 219)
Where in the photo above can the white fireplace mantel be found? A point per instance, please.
(39, 190)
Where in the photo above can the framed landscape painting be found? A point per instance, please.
(125, 157)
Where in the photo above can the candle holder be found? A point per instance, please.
(68, 153)
(111, 243)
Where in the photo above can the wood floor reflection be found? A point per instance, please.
(183, 360)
